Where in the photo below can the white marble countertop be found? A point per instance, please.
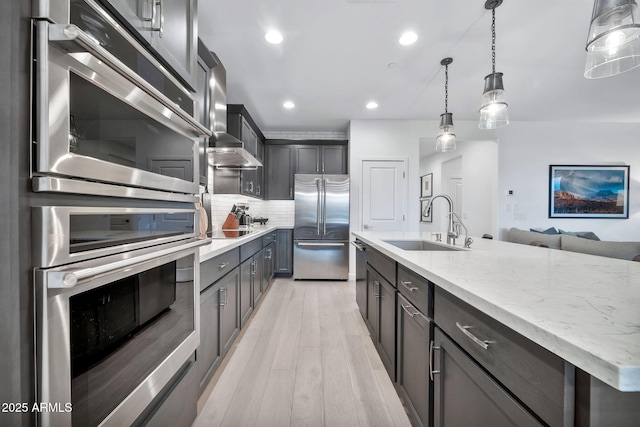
(584, 308)
(219, 246)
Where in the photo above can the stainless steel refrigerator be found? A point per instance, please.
(321, 232)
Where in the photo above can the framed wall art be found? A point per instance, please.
(588, 191)
(426, 185)
(424, 217)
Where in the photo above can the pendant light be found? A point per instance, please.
(446, 139)
(613, 44)
(494, 110)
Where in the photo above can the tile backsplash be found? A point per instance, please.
(278, 211)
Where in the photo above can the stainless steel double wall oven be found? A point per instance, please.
(115, 177)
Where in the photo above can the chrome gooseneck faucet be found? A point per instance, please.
(452, 234)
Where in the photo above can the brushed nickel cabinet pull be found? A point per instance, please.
(465, 330)
(432, 347)
(407, 285)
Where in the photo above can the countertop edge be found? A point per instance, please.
(220, 246)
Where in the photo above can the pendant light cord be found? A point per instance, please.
(493, 40)
(446, 88)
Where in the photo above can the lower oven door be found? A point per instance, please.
(112, 332)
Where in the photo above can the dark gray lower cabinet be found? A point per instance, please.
(229, 319)
(414, 335)
(258, 274)
(219, 324)
(246, 284)
(465, 395)
(268, 265)
(284, 252)
(381, 318)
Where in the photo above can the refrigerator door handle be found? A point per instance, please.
(324, 207)
(318, 206)
(321, 244)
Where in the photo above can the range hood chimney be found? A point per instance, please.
(224, 150)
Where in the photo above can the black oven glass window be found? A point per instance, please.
(120, 333)
(106, 128)
(88, 232)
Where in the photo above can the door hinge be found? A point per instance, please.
(402, 218)
(404, 174)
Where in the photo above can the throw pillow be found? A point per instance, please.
(550, 230)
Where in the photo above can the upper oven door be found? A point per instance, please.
(98, 120)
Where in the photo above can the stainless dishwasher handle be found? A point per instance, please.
(358, 246)
(73, 39)
(465, 330)
(406, 285)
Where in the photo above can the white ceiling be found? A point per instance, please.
(335, 56)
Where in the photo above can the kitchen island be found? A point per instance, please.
(583, 308)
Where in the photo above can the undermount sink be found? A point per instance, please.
(420, 245)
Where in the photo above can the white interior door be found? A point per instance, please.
(455, 191)
(384, 195)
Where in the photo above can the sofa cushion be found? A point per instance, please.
(622, 250)
(584, 234)
(526, 237)
(550, 230)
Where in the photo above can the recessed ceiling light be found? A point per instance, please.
(372, 105)
(274, 37)
(288, 105)
(408, 38)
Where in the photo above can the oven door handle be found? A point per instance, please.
(73, 39)
(68, 278)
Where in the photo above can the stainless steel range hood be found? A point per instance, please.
(225, 151)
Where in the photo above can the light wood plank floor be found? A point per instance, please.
(306, 359)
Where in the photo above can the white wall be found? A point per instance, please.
(526, 149)
(479, 172)
(385, 139)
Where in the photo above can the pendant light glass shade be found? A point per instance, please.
(494, 112)
(446, 139)
(613, 44)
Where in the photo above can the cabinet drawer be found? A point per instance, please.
(213, 269)
(540, 379)
(383, 265)
(416, 289)
(249, 249)
(268, 238)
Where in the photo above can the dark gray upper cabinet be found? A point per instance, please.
(285, 158)
(168, 28)
(321, 158)
(308, 159)
(334, 159)
(280, 160)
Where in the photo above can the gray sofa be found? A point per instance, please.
(571, 242)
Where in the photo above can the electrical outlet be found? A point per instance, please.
(507, 207)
